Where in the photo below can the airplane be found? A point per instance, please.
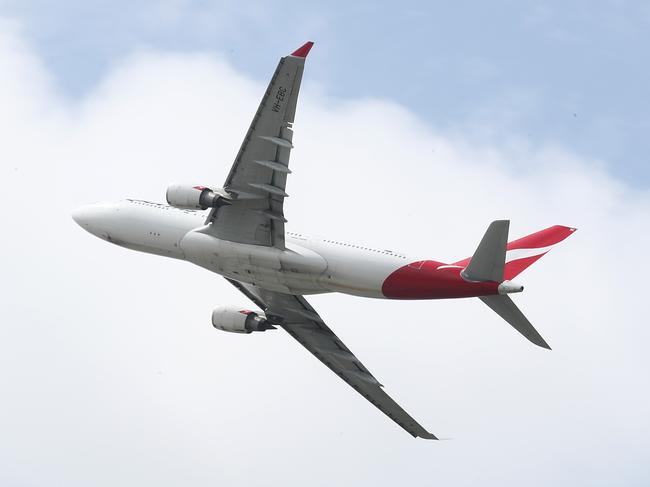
(238, 231)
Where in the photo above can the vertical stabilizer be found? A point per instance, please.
(523, 252)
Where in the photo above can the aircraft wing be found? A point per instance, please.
(258, 177)
(302, 322)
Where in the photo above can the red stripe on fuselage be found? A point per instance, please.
(424, 280)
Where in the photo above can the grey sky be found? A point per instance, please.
(110, 371)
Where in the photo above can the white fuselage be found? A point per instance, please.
(307, 266)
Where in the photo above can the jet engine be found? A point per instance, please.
(236, 320)
(188, 197)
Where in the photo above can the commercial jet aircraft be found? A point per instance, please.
(238, 231)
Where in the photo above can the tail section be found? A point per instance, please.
(506, 309)
(488, 262)
(497, 261)
(522, 253)
(525, 251)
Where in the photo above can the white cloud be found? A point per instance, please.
(111, 372)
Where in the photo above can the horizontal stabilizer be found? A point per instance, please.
(506, 309)
(488, 261)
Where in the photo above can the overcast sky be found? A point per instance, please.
(418, 124)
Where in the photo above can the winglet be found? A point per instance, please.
(303, 50)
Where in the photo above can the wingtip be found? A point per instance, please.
(540, 342)
(428, 436)
(303, 50)
(567, 228)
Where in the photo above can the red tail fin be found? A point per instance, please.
(521, 253)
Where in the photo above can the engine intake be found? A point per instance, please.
(188, 197)
(236, 320)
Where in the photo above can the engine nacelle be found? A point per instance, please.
(188, 197)
(237, 320)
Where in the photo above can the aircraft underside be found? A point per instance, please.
(238, 231)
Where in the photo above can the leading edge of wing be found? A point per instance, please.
(301, 321)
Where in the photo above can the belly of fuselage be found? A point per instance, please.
(296, 270)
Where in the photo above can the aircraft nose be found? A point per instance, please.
(82, 215)
(94, 218)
